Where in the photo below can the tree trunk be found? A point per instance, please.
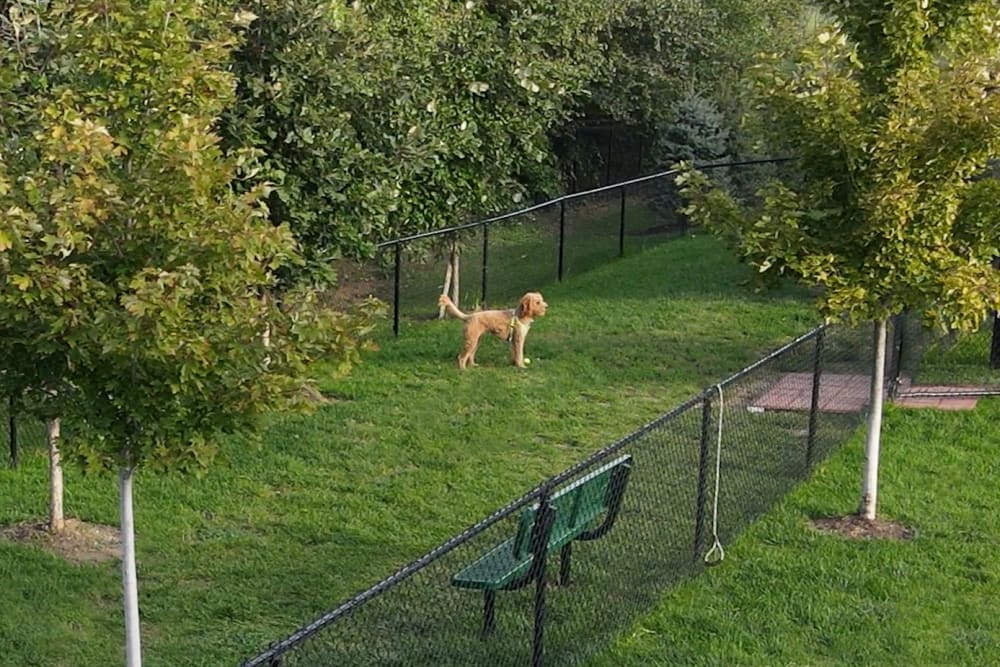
(873, 441)
(265, 339)
(455, 293)
(451, 274)
(446, 288)
(130, 584)
(265, 335)
(56, 520)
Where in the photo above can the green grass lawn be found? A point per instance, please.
(789, 595)
(408, 452)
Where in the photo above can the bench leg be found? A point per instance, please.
(565, 561)
(489, 612)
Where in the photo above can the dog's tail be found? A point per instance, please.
(452, 309)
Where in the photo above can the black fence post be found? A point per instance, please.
(12, 432)
(995, 344)
(814, 400)
(621, 226)
(562, 237)
(699, 519)
(896, 353)
(486, 246)
(540, 545)
(395, 291)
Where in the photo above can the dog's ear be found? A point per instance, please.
(524, 306)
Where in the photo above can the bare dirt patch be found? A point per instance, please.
(80, 542)
(854, 527)
(356, 282)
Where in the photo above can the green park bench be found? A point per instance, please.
(574, 511)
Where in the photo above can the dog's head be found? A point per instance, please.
(532, 305)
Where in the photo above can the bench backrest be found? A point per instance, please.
(576, 506)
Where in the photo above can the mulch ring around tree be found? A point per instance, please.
(854, 527)
(79, 542)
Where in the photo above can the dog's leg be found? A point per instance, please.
(467, 359)
(517, 349)
(472, 351)
(468, 355)
(464, 356)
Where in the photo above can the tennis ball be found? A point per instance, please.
(527, 361)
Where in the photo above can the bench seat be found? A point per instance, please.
(494, 569)
(576, 512)
(511, 559)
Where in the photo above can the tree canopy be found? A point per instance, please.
(891, 113)
(134, 280)
(383, 118)
(130, 268)
(380, 119)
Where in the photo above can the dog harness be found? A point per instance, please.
(514, 325)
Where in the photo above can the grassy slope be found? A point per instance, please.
(409, 452)
(787, 595)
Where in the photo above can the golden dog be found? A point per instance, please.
(511, 325)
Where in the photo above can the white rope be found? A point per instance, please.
(716, 554)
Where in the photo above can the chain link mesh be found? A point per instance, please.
(926, 363)
(666, 524)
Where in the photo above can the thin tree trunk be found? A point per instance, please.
(130, 584)
(446, 288)
(873, 441)
(451, 274)
(265, 339)
(56, 520)
(265, 335)
(455, 294)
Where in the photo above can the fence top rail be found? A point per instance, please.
(565, 198)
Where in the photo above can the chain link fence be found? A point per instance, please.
(501, 257)
(638, 516)
(928, 363)
(19, 435)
